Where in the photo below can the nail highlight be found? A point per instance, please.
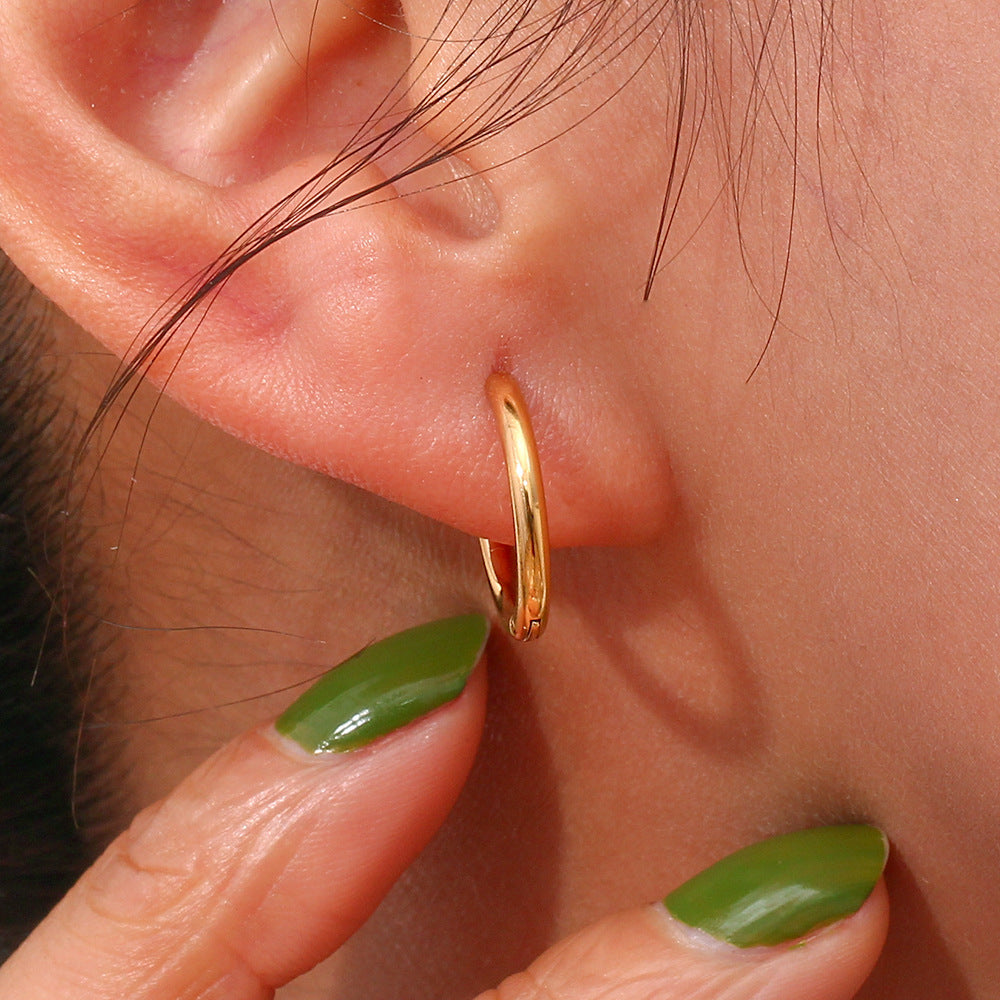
(785, 887)
(387, 685)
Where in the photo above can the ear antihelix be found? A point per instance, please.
(228, 92)
(232, 94)
(358, 346)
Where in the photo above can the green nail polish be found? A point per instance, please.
(387, 685)
(782, 888)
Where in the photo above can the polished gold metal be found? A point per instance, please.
(525, 568)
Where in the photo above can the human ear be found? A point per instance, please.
(140, 143)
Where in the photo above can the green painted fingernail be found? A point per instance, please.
(782, 888)
(387, 685)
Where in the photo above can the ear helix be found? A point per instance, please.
(525, 568)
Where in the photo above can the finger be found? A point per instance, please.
(270, 855)
(801, 917)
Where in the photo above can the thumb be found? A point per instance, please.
(274, 851)
(798, 917)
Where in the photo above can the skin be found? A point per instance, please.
(774, 604)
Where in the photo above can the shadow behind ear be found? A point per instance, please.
(903, 968)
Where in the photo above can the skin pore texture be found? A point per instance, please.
(775, 600)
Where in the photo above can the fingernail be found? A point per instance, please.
(780, 889)
(387, 685)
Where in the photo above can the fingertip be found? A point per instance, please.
(647, 952)
(830, 962)
(801, 915)
(267, 857)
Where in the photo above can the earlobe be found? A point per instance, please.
(359, 345)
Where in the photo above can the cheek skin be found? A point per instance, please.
(855, 501)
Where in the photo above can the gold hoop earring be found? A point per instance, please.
(526, 566)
